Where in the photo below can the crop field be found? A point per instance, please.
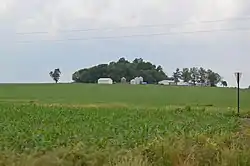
(95, 125)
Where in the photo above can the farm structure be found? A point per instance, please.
(105, 81)
(137, 81)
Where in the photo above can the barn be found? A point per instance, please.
(132, 82)
(105, 81)
(167, 82)
(137, 80)
(123, 80)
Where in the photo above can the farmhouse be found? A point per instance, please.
(105, 81)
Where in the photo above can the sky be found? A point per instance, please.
(27, 55)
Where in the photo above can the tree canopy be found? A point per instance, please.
(151, 73)
(55, 75)
(122, 68)
(224, 83)
(197, 75)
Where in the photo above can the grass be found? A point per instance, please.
(149, 95)
(75, 124)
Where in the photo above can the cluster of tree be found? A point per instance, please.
(122, 68)
(150, 73)
(198, 75)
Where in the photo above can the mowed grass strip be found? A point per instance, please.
(33, 134)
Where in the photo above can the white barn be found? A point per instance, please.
(137, 80)
(182, 83)
(140, 79)
(123, 80)
(133, 82)
(166, 82)
(105, 81)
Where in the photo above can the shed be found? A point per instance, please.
(183, 83)
(138, 80)
(141, 79)
(105, 81)
(167, 82)
(123, 80)
(133, 82)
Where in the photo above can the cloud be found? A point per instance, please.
(61, 14)
(53, 16)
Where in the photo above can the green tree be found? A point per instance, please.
(185, 75)
(213, 78)
(224, 83)
(122, 60)
(159, 68)
(121, 68)
(194, 75)
(202, 75)
(55, 75)
(177, 75)
(138, 60)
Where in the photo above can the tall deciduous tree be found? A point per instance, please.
(194, 75)
(55, 75)
(224, 83)
(185, 75)
(213, 78)
(177, 75)
(202, 75)
(159, 68)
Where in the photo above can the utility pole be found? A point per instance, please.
(238, 76)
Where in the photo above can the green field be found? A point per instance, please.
(150, 95)
(79, 124)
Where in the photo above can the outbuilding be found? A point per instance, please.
(123, 80)
(182, 83)
(132, 82)
(167, 82)
(105, 81)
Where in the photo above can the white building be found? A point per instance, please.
(201, 84)
(166, 82)
(123, 80)
(133, 82)
(137, 80)
(182, 83)
(105, 81)
(141, 79)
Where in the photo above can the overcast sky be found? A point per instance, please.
(223, 52)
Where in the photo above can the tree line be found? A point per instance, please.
(122, 68)
(199, 75)
(151, 73)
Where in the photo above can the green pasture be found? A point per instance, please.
(97, 125)
(137, 95)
